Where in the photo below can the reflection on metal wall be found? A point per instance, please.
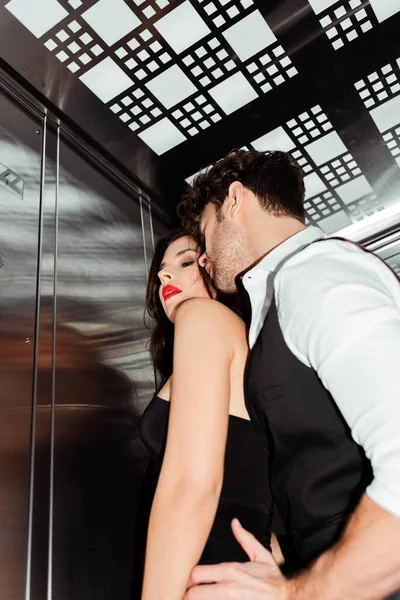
(20, 152)
(388, 248)
(79, 239)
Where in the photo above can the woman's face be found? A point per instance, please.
(180, 276)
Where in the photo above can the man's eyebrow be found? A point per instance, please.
(179, 254)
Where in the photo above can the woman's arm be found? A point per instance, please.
(190, 482)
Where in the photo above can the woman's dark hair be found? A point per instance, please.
(162, 335)
(274, 177)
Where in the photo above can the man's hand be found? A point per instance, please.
(260, 579)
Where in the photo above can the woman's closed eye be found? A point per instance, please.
(188, 263)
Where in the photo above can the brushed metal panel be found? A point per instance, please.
(103, 379)
(93, 376)
(41, 549)
(20, 158)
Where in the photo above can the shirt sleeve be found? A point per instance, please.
(339, 311)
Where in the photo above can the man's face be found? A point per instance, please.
(225, 254)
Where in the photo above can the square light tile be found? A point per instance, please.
(106, 80)
(340, 12)
(387, 115)
(354, 189)
(384, 9)
(73, 67)
(250, 35)
(74, 26)
(149, 12)
(96, 49)
(62, 56)
(319, 6)
(38, 16)
(85, 58)
(74, 47)
(233, 93)
(277, 139)
(86, 38)
(162, 136)
(62, 35)
(182, 27)
(111, 19)
(326, 148)
(334, 222)
(50, 45)
(314, 185)
(131, 64)
(145, 35)
(171, 87)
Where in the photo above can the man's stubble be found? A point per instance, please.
(231, 255)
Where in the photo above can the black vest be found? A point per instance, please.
(318, 472)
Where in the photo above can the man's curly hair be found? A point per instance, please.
(274, 177)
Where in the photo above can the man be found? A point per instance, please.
(322, 385)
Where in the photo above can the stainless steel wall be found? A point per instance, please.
(387, 246)
(75, 244)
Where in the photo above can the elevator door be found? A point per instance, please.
(20, 167)
(102, 379)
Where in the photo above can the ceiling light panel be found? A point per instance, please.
(337, 192)
(75, 44)
(182, 27)
(380, 92)
(111, 20)
(106, 79)
(179, 67)
(38, 16)
(345, 21)
(185, 64)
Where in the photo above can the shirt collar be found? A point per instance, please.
(271, 260)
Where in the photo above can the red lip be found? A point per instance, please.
(169, 291)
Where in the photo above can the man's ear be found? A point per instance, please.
(235, 199)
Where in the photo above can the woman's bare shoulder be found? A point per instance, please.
(211, 314)
(208, 307)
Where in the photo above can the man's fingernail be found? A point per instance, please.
(238, 523)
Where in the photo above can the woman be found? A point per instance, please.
(197, 427)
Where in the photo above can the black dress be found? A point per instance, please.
(245, 491)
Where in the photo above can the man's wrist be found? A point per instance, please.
(291, 590)
(298, 588)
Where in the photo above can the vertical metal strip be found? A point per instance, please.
(35, 367)
(151, 227)
(152, 245)
(143, 236)
(146, 267)
(53, 379)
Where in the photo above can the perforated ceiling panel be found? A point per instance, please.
(337, 192)
(167, 75)
(194, 78)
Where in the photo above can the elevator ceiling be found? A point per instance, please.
(169, 86)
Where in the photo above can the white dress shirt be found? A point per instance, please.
(339, 312)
